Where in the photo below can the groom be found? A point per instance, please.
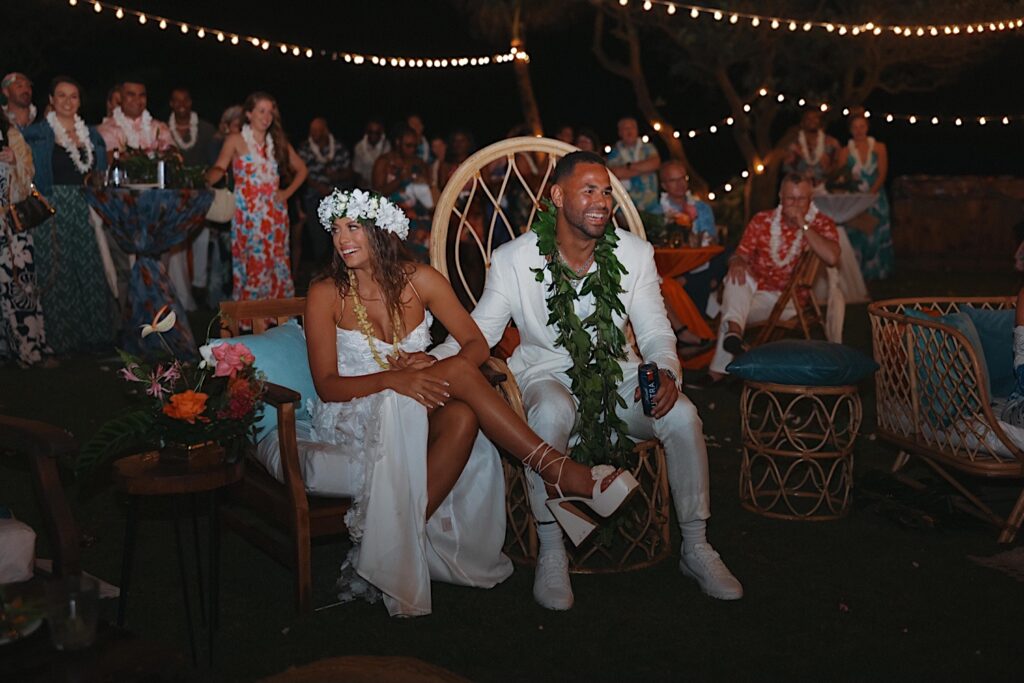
(582, 194)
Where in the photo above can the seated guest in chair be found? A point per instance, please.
(427, 489)
(764, 261)
(682, 209)
(582, 195)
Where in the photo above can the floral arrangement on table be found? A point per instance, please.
(140, 167)
(219, 400)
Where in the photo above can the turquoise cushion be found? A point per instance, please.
(803, 362)
(281, 354)
(995, 328)
(940, 375)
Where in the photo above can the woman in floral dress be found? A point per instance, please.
(259, 230)
(866, 161)
(22, 335)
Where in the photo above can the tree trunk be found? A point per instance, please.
(531, 113)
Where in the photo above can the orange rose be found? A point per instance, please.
(187, 406)
(683, 220)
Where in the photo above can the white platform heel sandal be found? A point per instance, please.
(578, 526)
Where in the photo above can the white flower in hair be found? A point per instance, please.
(360, 205)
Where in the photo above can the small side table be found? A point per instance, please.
(798, 449)
(146, 474)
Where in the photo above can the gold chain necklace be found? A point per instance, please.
(364, 322)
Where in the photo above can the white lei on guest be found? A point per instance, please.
(775, 242)
(193, 131)
(62, 138)
(266, 163)
(819, 148)
(32, 113)
(862, 165)
(331, 149)
(145, 140)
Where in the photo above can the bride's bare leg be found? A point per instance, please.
(502, 426)
(453, 429)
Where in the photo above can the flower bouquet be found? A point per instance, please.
(214, 403)
(140, 166)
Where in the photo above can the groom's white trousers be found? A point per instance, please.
(551, 412)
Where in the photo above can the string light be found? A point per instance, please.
(513, 54)
(843, 29)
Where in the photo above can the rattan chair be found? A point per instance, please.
(488, 201)
(279, 518)
(941, 412)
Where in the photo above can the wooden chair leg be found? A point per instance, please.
(1013, 521)
(303, 567)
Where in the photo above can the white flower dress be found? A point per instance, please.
(395, 552)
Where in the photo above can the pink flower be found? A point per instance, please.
(231, 358)
(129, 373)
(155, 388)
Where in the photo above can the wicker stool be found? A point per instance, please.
(798, 449)
(801, 413)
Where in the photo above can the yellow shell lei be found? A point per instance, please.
(364, 322)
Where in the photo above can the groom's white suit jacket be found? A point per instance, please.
(512, 292)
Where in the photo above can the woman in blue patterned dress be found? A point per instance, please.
(80, 306)
(866, 161)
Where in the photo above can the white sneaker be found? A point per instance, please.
(704, 564)
(551, 587)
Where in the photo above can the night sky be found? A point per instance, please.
(571, 87)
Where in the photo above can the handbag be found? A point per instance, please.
(31, 211)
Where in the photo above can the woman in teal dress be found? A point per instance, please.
(81, 311)
(866, 162)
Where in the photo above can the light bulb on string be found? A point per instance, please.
(119, 13)
(142, 18)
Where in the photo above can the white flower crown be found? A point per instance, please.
(357, 205)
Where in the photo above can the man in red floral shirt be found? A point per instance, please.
(764, 262)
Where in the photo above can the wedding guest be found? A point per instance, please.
(19, 110)
(192, 137)
(587, 141)
(69, 248)
(439, 150)
(565, 134)
(866, 161)
(681, 209)
(113, 99)
(22, 330)
(367, 151)
(402, 176)
(636, 163)
(330, 166)
(415, 122)
(764, 261)
(813, 153)
(231, 121)
(460, 145)
(259, 230)
(131, 126)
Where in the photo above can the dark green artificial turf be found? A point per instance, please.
(877, 596)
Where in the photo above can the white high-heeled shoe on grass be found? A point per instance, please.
(575, 523)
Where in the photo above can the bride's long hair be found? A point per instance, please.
(390, 262)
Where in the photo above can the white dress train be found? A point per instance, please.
(395, 552)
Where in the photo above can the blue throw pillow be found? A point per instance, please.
(281, 354)
(939, 375)
(995, 328)
(803, 362)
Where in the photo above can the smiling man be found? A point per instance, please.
(582, 195)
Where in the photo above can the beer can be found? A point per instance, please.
(161, 170)
(650, 381)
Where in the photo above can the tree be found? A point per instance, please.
(506, 23)
(738, 60)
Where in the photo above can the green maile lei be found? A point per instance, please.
(595, 345)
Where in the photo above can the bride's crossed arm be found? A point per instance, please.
(408, 375)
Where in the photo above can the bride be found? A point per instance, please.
(427, 488)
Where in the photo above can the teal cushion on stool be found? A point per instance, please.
(280, 353)
(803, 362)
(995, 330)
